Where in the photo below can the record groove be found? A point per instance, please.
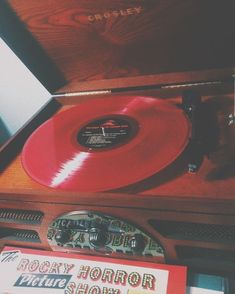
(106, 144)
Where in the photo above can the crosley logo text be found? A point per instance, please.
(115, 13)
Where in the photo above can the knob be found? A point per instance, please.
(98, 237)
(63, 236)
(137, 243)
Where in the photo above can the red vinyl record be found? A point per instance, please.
(106, 144)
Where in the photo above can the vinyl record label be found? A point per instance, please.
(107, 132)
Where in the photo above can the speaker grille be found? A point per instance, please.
(195, 231)
(186, 252)
(19, 235)
(20, 216)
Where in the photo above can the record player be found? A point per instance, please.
(90, 54)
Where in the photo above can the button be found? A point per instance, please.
(98, 237)
(63, 236)
(137, 243)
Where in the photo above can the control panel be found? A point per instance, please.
(82, 231)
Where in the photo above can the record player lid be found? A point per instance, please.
(82, 45)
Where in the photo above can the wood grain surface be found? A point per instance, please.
(91, 40)
(76, 45)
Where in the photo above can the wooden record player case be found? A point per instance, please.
(89, 49)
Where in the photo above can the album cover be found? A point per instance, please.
(35, 271)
